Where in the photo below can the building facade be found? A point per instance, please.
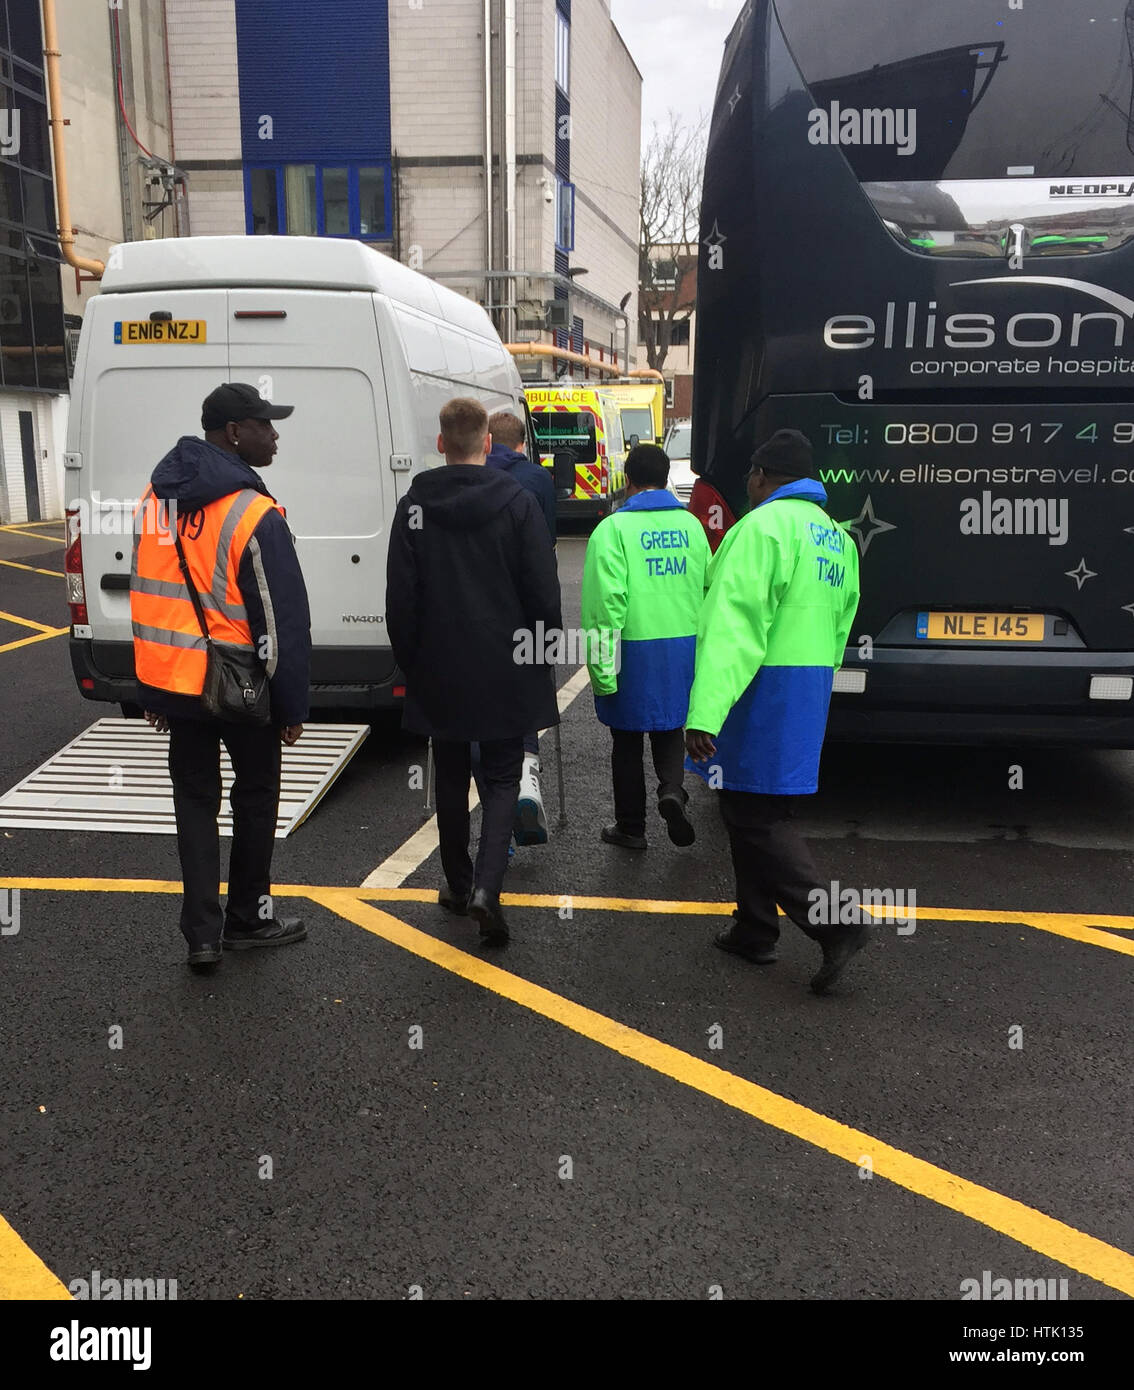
(491, 144)
(500, 157)
(118, 151)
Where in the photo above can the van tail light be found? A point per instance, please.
(73, 569)
(712, 511)
(605, 485)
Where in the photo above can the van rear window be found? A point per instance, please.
(557, 430)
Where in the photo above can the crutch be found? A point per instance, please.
(559, 769)
(428, 773)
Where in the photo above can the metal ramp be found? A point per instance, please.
(114, 777)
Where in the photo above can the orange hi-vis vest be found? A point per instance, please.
(169, 650)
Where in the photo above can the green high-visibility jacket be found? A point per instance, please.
(644, 578)
(783, 592)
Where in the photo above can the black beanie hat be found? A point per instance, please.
(787, 454)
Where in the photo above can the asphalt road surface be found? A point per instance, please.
(608, 1108)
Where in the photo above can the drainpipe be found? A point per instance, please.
(487, 142)
(510, 158)
(94, 269)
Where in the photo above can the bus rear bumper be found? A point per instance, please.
(976, 697)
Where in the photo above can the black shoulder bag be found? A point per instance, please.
(236, 683)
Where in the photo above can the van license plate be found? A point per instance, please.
(980, 627)
(160, 331)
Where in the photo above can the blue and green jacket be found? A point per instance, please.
(783, 591)
(644, 579)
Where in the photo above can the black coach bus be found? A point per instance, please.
(917, 246)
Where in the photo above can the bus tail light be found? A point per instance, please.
(712, 511)
(73, 569)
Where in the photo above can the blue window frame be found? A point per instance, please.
(352, 199)
(562, 52)
(564, 215)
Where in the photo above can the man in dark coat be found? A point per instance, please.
(472, 590)
(509, 439)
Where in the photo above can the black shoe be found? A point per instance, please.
(757, 955)
(282, 932)
(205, 958)
(457, 903)
(485, 909)
(836, 954)
(671, 808)
(615, 835)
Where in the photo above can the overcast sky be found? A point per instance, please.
(677, 45)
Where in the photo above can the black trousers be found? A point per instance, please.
(772, 865)
(498, 780)
(668, 749)
(194, 766)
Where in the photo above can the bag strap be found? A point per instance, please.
(193, 594)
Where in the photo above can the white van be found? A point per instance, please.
(366, 350)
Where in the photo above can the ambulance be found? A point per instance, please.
(583, 421)
(366, 350)
(641, 410)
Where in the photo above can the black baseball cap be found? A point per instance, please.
(236, 400)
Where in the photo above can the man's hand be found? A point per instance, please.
(699, 745)
(290, 733)
(158, 722)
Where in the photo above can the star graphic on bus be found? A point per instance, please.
(715, 238)
(866, 526)
(733, 100)
(1080, 574)
(1128, 608)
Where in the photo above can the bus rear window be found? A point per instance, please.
(965, 89)
(557, 430)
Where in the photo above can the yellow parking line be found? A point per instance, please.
(26, 622)
(31, 569)
(23, 1275)
(1090, 1256)
(1104, 1263)
(39, 637)
(1073, 925)
(35, 536)
(1092, 929)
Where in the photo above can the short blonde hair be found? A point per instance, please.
(464, 424)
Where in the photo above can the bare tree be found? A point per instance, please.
(673, 167)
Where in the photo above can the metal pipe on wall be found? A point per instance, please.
(488, 238)
(510, 157)
(56, 122)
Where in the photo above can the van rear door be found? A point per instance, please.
(333, 473)
(142, 389)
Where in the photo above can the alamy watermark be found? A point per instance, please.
(573, 646)
(1024, 1290)
(847, 907)
(100, 1290)
(9, 132)
(851, 125)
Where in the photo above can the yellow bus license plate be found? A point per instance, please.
(160, 331)
(980, 627)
